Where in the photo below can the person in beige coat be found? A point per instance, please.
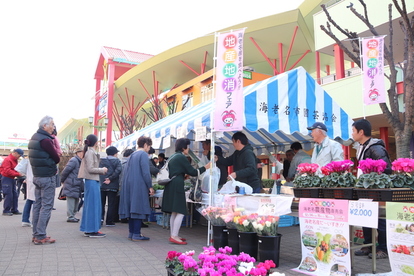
(90, 171)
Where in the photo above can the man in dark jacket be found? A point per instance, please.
(243, 161)
(43, 158)
(110, 184)
(374, 149)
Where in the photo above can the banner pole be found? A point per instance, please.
(212, 139)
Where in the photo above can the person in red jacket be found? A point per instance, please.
(9, 184)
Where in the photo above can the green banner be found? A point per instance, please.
(401, 211)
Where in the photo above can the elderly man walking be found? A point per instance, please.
(43, 158)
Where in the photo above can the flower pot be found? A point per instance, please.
(233, 240)
(248, 243)
(170, 272)
(219, 236)
(269, 248)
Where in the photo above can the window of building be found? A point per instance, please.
(207, 92)
(187, 100)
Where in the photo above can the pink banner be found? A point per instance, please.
(229, 104)
(373, 70)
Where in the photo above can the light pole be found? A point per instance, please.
(99, 128)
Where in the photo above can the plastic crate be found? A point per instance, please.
(308, 192)
(286, 221)
(164, 220)
(392, 194)
(152, 217)
(339, 193)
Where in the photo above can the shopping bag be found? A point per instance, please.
(61, 196)
(196, 194)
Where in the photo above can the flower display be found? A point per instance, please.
(337, 166)
(403, 170)
(373, 176)
(306, 176)
(229, 217)
(307, 168)
(212, 262)
(215, 215)
(244, 223)
(368, 166)
(266, 225)
(337, 174)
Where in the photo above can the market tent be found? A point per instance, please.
(277, 113)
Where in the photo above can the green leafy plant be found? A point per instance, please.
(373, 176)
(403, 170)
(337, 174)
(374, 180)
(306, 177)
(335, 180)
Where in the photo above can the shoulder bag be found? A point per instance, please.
(196, 194)
(163, 177)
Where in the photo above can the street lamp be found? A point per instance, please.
(99, 128)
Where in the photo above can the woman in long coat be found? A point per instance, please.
(90, 171)
(174, 200)
(136, 185)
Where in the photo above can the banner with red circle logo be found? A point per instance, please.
(229, 104)
(373, 70)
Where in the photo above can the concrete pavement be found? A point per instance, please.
(74, 254)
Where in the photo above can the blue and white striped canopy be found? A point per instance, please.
(277, 113)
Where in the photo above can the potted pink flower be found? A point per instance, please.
(215, 262)
(403, 170)
(306, 176)
(337, 174)
(373, 176)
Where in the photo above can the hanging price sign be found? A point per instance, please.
(363, 213)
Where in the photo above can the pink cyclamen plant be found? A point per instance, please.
(307, 168)
(403, 165)
(368, 166)
(213, 263)
(339, 166)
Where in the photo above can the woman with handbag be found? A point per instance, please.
(174, 200)
(90, 171)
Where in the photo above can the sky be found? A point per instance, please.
(50, 48)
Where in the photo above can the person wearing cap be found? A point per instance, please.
(43, 158)
(110, 185)
(72, 185)
(10, 204)
(325, 150)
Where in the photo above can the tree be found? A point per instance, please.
(402, 124)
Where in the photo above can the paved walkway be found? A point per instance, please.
(74, 254)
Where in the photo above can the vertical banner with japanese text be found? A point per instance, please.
(229, 104)
(373, 70)
(400, 237)
(325, 242)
